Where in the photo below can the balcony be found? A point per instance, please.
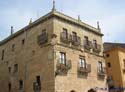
(110, 81)
(102, 72)
(84, 70)
(87, 45)
(65, 38)
(76, 41)
(62, 68)
(96, 48)
(36, 87)
(42, 39)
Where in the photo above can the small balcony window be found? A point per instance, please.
(74, 36)
(86, 40)
(15, 68)
(101, 69)
(82, 62)
(62, 58)
(9, 86)
(95, 43)
(2, 57)
(65, 32)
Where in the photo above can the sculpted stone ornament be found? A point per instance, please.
(53, 40)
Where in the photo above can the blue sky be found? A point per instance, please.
(110, 14)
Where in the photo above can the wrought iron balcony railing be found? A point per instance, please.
(96, 48)
(65, 37)
(62, 68)
(36, 87)
(76, 40)
(101, 71)
(86, 69)
(87, 44)
(43, 38)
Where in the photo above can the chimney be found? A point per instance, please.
(12, 30)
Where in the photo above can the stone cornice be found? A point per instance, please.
(51, 14)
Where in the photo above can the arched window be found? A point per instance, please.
(72, 91)
(91, 90)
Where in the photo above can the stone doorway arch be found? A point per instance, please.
(92, 90)
(72, 91)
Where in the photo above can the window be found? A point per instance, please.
(9, 68)
(95, 43)
(9, 86)
(15, 68)
(86, 40)
(107, 55)
(20, 84)
(65, 33)
(100, 67)
(74, 36)
(2, 54)
(37, 84)
(109, 64)
(13, 47)
(38, 80)
(82, 62)
(23, 41)
(62, 58)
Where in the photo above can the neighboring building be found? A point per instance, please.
(56, 53)
(115, 63)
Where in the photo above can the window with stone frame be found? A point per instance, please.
(82, 62)
(62, 57)
(95, 43)
(74, 36)
(20, 84)
(100, 66)
(15, 68)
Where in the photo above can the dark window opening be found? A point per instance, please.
(107, 55)
(9, 68)
(23, 41)
(2, 54)
(38, 80)
(9, 86)
(109, 64)
(37, 84)
(20, 84)
(15, 68)
(86, 40)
